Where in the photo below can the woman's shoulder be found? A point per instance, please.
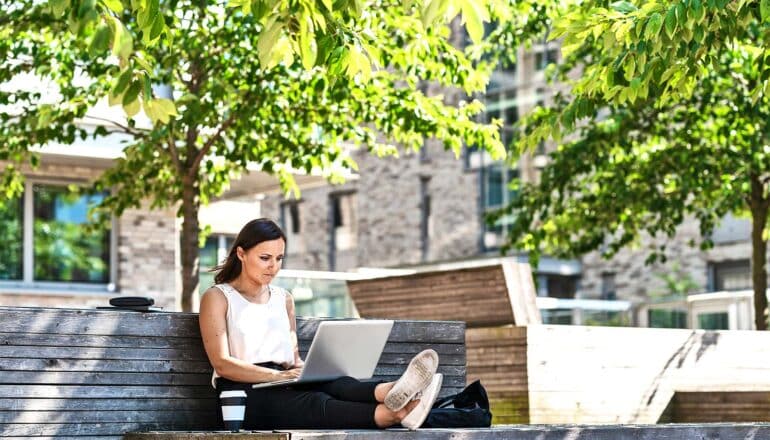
(280, 291)
(213, 297)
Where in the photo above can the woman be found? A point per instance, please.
(249, 332)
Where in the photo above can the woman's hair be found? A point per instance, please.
(252, 234)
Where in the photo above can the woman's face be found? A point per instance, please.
(262, 262)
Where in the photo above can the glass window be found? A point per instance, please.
(66, 247)
(344, 221)
(713, 321)
(497, 193)
(557, 316)
(545, 57)
(213, 252)
(608, 286)
(667, 318)
(731, 275)
(49, 229)
(11, 234)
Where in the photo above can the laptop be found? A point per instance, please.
(341, 348)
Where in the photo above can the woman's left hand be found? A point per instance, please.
(298, 364)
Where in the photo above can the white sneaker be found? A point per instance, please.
(416, 378)
(417, 416)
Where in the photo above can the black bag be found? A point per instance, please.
(467, 409)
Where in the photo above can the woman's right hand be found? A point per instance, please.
(290, 374)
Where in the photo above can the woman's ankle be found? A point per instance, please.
(381, 390)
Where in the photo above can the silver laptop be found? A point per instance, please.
(342, 348)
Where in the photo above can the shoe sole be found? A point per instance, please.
(403, 392)
(435, 389)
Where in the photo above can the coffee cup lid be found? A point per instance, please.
(233, 393)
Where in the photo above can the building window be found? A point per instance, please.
(501, 105)
(213, 252)
(291, 221)
(546, 56)
(496, 193)
(608, 286)
(425, 223)
(730, 275)
(343, 221)
(48, 238)
(713, 321)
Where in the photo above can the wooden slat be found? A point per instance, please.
(106, 391)
(123, 404)
(162, 416)
(480, 296)
(57, 340)
(498, 357)
(88, 429)
(121, 323)
(100, 365)
(107, 353)
(97, 378)
(708, 407)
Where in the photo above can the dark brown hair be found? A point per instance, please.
(252, 234)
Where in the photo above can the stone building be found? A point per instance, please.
(427, 208)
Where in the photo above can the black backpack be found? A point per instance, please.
(466, 409)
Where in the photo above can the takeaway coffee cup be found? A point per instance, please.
(233, 405)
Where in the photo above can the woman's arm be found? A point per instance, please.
(213, 324)
(298, 362)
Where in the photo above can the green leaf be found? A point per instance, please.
(430, 12)
(166, 106)
(115, 6)
(132, 108)
(147, 87)
(58, 7)
(308, 50)
(624, 7)
(158, 25)
(671, 22)
(100, 41)
(474, 15)
(653, 26)
(122, 43)
(267, 39)
(86, 7)
(764, 9)
(123, 80)
(132, 93)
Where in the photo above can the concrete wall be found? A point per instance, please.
(630, 375)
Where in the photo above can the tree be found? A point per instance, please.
(332, 33)
(231, 103)
(642, 166)
(646, 57)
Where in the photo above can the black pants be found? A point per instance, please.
(344, 403)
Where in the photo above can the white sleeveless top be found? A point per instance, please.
(258, 333)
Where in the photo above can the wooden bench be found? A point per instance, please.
(101, 373)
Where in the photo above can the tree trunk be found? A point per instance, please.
(188, 242)
(759, 208)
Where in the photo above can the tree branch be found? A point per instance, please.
(124, 128)
(210, 142)
(174, 153)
